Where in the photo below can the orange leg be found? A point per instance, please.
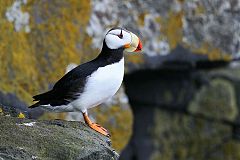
(95, 126)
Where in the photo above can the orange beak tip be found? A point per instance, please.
(139, 47)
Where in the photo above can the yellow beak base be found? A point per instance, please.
(135, 44)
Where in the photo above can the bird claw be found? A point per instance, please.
(100, 129)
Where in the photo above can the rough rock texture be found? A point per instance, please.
(209, 27)
(184, 112)
(39, 39)
(29, 139)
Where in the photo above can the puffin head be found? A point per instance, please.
(121, 38)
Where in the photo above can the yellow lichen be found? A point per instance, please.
(29, 62)
(205, 47)
(199, 10)
(21, 115)
(181, 1)
(212, 52)
(141, 19)
(171, 27)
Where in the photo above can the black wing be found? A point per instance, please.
(69, 87)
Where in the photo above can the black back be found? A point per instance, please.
(71, 85)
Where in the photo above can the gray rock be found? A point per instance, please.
(217, 99)
(31, 139)
(184, 113)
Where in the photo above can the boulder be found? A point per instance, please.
(184, 112)
(30, 139)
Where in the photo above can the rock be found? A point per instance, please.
(56, 139)
(209, 27)
(41, 38)
(168, 135)
(11, 99)
(184, 113)
(216, 100)
(12, 108)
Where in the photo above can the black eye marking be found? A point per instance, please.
(121, 34)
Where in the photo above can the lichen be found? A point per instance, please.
(212, 52)
(141, 19)
(52, 140)
(34, 60)
(163, 25)
(1, 111)
(180, 136)
(216, 100)
(172, 28)
(21, 115)
(214, 23)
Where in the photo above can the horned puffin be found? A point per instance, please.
(92, 83)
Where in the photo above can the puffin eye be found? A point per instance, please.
(120, 35)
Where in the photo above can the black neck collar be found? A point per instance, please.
(110, 55)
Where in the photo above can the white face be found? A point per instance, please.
(118, 38)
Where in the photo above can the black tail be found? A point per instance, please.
(42, 99)
(35, 105)
(44, 96)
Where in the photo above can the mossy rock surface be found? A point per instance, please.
(30, 139)
(182, 137)
(216, 100)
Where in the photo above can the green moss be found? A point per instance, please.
(230, 72)
(229, 150)
(168, 97)
(216, 100)
(179, 136)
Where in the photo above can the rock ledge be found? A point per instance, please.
(56, 139)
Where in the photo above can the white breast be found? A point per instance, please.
(101, 85)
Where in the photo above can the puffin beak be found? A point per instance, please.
(135, 45)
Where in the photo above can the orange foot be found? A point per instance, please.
(95, 126)
(99, 129)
